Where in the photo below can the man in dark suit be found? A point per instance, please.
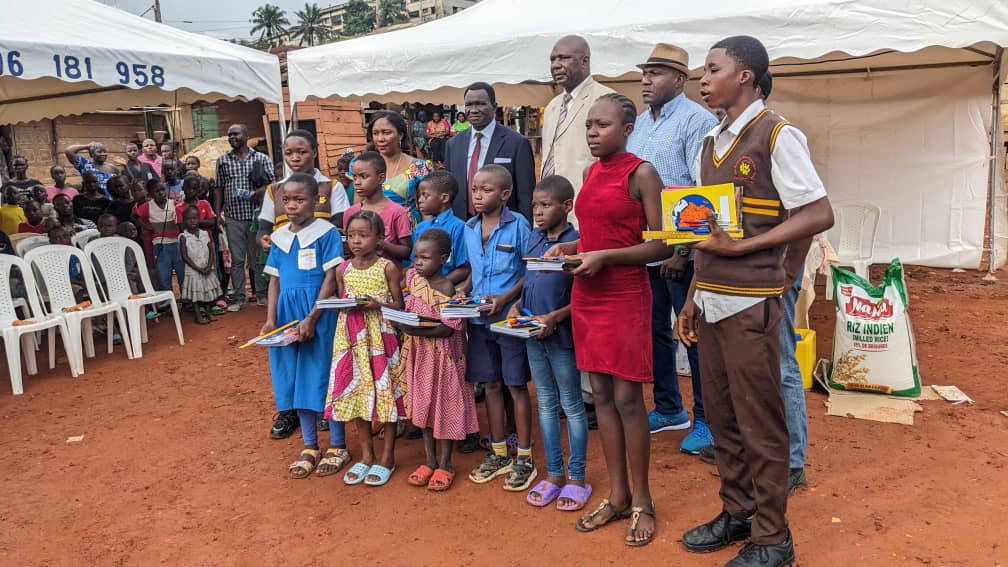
(489, 143)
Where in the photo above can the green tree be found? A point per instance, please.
(391, 12)
(268, 21)
(309, 26)
(358, 18)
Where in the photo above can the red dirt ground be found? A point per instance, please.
(176, 468)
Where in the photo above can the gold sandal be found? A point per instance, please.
(304, 466)
(635, 515)
(583, 523)
(335, 458)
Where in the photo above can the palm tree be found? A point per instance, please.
(310, 27)
(269, 21)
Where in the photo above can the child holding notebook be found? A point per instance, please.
(495, 240)
(546, 296)
(735, 312)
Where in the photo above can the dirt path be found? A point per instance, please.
(176, 468)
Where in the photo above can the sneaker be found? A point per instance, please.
(285, 424)
(796, 478)
(697, 439)
(707, 455)
(261, 302)
(523, 472)
(493, 466)
(235, 307)
(660, 422)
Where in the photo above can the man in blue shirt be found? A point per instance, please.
(434, 199)
(669, 134)
(495, 240)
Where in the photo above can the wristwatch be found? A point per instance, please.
(682, 250)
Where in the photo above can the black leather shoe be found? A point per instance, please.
(717, 533)
(470, 444)
(284, 425)
(592, 416)
(755, 555)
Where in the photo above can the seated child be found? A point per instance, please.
(34, 220)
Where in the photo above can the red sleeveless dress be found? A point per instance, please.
(611, 311)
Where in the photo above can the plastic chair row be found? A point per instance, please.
(25, 241)
(112, 297)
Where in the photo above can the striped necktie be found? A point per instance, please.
(549, 166)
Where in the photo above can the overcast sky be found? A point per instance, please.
(219, 18)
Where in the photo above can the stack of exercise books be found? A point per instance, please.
(560, 264)
(521, 327)
(409, 319)
(465, 308)
(341, 303)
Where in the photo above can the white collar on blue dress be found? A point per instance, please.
(284, 237)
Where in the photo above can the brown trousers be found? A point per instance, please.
(741, 385)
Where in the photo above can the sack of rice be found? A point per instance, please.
(873, 342)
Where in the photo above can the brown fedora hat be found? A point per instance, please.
(668, 55)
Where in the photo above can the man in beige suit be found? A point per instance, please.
(565, 150)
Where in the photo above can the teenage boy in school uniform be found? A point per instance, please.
(495, 240)
(735, 312)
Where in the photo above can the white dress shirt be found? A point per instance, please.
(794, 176)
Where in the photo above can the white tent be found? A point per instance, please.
(895, 95)
(64, 57)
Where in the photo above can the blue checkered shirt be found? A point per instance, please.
(672, 142)
(233, 179)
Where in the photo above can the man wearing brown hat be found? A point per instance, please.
(669, 134)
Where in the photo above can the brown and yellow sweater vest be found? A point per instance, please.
(746, 164)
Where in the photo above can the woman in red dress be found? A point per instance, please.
(611, 308)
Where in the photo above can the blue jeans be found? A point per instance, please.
(166, 259)
(791, 381)
(668, 298)
(558, 384)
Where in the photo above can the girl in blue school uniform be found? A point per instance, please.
(302, 266)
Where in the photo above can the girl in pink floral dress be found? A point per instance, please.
(441, 401)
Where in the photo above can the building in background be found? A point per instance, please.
(418, 11)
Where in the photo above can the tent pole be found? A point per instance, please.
(283, 127)
(994, 175)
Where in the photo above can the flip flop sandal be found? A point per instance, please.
(381, 472)
(304, 466)
(584, 523)
(634, 519)
(335, 459)
(547, 491)
(421, 476)
(441, 480)
(579, 494)
(359, 470)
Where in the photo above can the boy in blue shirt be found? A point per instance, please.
(434, 199)
(546, 296)
(495, 239)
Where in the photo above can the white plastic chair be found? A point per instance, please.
(23, 245)
(855, 227)
(109, 254)
(51, 265)
(83, 237)
(18, 340)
